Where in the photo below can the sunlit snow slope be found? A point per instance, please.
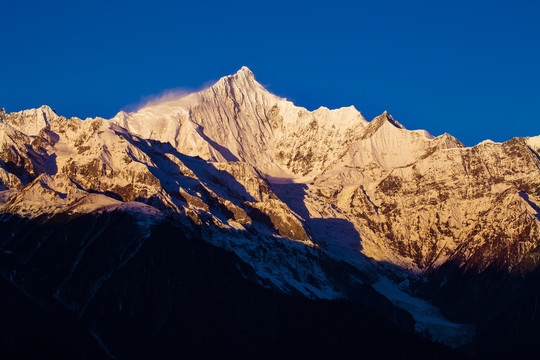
(288, 190)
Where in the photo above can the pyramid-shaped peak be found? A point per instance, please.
(378, 122)
(243, 80)
(244, 71)
(244, 74)
(385, 116)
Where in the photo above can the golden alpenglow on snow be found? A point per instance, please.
(423, 231)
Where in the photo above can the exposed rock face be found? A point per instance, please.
(30, 122)
(283, 187)
(237, 119)
(476, 204)
(415, 200)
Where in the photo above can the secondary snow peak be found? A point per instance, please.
(31, 121)
(385, 116)
(378, 122)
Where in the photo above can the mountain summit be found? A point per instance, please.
(243, 83)
(237, 119)
(321, 204)
(244, 73)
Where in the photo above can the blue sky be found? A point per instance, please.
(469, 68)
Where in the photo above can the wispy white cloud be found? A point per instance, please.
(165, 95)
(162, 96)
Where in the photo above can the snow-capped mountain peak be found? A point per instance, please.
(31, 121)
(241, 84)
(238, 119)
(284, 187)
(245, 73)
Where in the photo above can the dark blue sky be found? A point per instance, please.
(469, 68)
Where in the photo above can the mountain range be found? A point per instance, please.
(231, 220)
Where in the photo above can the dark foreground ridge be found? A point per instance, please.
(176, 297)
